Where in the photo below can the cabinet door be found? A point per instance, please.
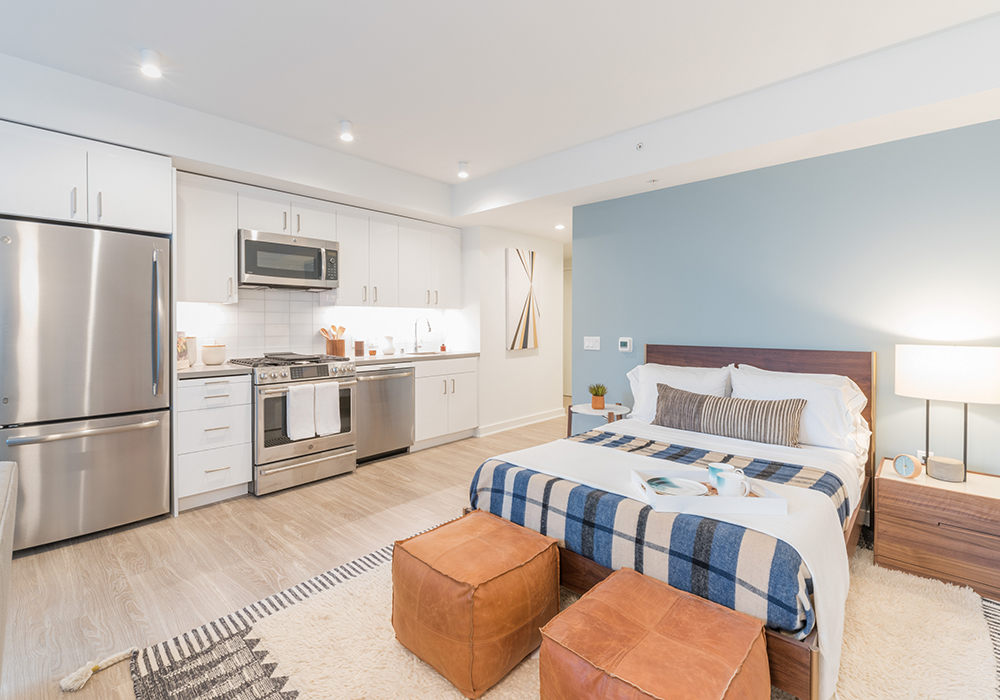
(129, 189)
(448, 266)
(383, 262)
(206, 240)
(42, 174)
(314, 219)
(352, 237)
(431, 405)
(263, 211)
(416, 264)
(463, 401)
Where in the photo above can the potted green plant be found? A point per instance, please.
(597, 393)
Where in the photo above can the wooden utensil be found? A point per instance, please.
(325, 333)
(340, 332)
(333, 331)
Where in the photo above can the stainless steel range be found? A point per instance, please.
(279, 460)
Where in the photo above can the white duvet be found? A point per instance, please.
(812, 526)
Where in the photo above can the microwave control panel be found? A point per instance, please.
(331, 265)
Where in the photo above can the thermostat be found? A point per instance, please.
(625, 345)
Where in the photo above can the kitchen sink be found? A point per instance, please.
(426, 352)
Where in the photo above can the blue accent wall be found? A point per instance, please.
(895, 243)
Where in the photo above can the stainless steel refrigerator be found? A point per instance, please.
(84, 377)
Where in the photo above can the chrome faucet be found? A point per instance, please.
(416, 332)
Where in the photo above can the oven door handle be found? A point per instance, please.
(284, 390)
(268, 472)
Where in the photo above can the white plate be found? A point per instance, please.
(682, 487)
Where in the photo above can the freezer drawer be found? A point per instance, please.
(83, 476)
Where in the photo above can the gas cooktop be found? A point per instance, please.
(299, 367)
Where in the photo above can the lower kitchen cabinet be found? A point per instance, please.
(213, 440)
(447, 399)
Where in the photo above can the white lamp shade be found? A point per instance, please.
(948, 373)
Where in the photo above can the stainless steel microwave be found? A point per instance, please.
(288, 262)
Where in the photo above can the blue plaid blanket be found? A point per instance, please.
(729, 564)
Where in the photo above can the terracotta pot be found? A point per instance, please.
(597, 402)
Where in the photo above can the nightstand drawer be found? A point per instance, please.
(938, 504)
(954, 552)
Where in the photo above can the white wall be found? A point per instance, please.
(568, 330)
(516, 387)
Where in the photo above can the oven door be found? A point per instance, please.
(278, 260)
(271, 441)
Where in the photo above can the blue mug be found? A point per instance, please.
(716, 468)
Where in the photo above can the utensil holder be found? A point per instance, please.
(335, 347)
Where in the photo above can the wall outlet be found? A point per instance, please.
(591, 342)
(625, 345)
(922, 456)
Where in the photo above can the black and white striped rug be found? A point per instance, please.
(991, 610)
(223, 659)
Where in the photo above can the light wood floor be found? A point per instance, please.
(82, 601)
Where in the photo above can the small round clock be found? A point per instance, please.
(907, 466)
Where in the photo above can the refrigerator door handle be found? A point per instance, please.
(157, 316)
(54, 437)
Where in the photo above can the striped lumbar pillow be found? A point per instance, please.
(773, 422)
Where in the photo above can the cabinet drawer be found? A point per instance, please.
(212, 428)
(933, 505)
(437, 368)
(196, 394)
(954, 552)
(214, 469)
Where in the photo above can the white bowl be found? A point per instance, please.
(213, 354)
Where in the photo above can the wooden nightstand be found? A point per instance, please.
(939, 529)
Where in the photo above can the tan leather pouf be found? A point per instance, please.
(634, 637)
(469, 597)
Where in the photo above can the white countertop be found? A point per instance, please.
(381, 359)
(201, 371)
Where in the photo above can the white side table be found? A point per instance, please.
(612, 411)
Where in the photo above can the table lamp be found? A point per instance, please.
(948, 373)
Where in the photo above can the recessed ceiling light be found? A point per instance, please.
(559, 227)
(463, 169)
(151, 63)
(346, 131)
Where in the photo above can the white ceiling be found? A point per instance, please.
(430, 83)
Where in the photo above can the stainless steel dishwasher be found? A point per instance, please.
(384, 406)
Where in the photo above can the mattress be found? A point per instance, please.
(791, 571)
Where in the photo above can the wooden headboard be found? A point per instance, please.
(859, 366)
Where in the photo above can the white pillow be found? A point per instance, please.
(832, 416)
(713, 381)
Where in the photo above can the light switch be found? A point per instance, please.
(591, 342)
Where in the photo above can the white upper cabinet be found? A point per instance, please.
(383, 260)
(264, 210)
(42, 174)
(352, 239)
(129, 189)
(207, 216)
(430, 267)
(313, 218)
(64, 178)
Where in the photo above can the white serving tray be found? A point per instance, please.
(767, 503)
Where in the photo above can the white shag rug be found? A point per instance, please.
(331, 638)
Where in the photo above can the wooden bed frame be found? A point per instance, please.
(794, 663)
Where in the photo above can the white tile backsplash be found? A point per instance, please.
(289, 321)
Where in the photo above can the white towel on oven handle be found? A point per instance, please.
(327, 408)
(301, 412)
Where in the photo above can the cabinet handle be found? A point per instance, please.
(217, 396)
(220, 469)
(445, 386)
(221, 427)
(435, 297)
(230, 295)
(428, 296)
(364, 293)
(375, 293)
(298, 223)
(284, 226)
(453, 386)
(72, 204)
(224, 381)
(100, 205)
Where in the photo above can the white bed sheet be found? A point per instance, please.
(811, 527)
